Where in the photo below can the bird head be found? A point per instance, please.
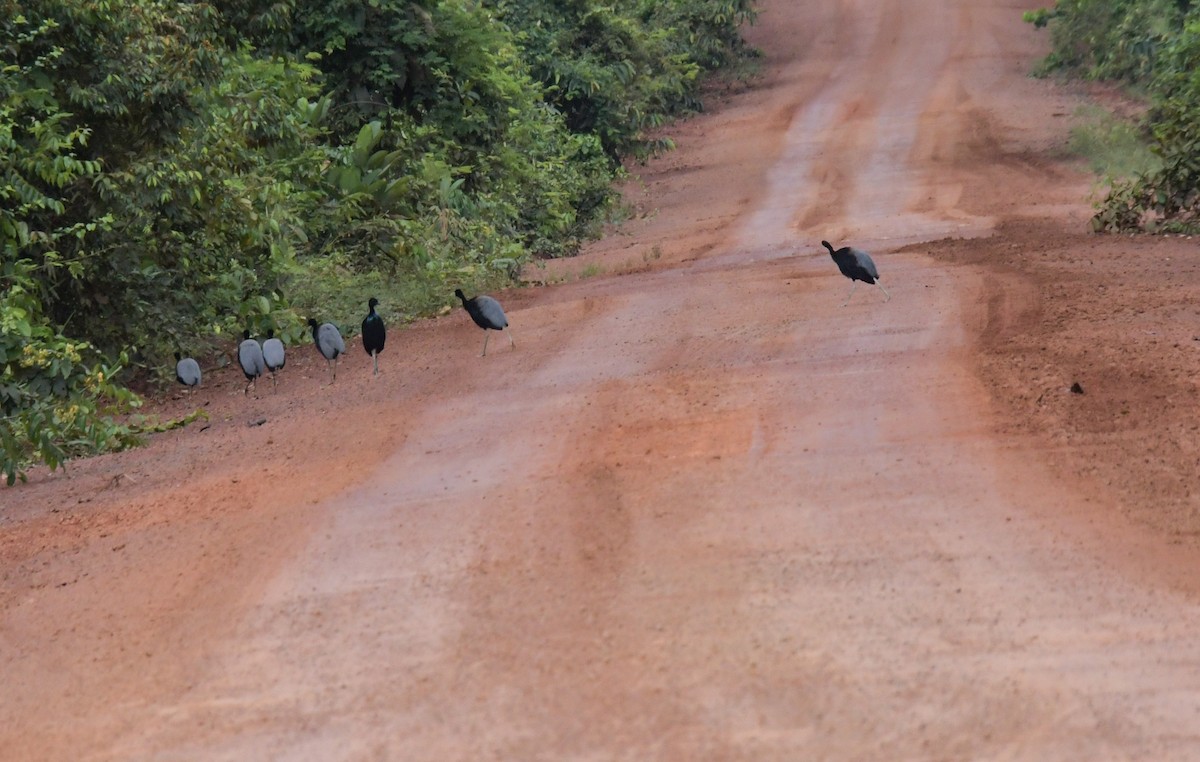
(270, 333)
(372, 302)
(178, 357)
(458, 292)
(312, 322)
(246, 334)
(827, 245)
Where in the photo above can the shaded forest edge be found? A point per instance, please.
(177, 172)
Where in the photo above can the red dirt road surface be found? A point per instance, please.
(701, 511)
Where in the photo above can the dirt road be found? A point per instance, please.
(701, 511)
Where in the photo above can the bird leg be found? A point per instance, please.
(485, 340)
(375, 357)
(508, 333)
(884, 290)
(854, 285)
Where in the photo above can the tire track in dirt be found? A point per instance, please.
(866, 124)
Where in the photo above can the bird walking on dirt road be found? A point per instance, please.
(329, 343)
(250, 357)
(273, 355)
(488, 315)
(856, 265)
(187, 372)
(374, 333)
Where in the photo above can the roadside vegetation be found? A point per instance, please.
(1153, 48)
(175, 172)
(1114, 148)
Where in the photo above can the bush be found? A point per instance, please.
(1153, 44)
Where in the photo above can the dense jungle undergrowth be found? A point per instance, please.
(177, 172)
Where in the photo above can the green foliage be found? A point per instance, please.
(1153, 44)
(202, 167)
(1166, 199)
(1114, 148)
(463, 140)
(707, 31)
(57, 396)
(175, 172)
(609, 75)
(619, 72)
(1039, 17)
(208, 223)
(55, 392)
(1109, 39)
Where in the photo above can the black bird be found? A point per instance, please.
(329, 343)
(374, 333)
(250, 357)
(856, 265)
(187, 372)
(273, 355)
(487, 314)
